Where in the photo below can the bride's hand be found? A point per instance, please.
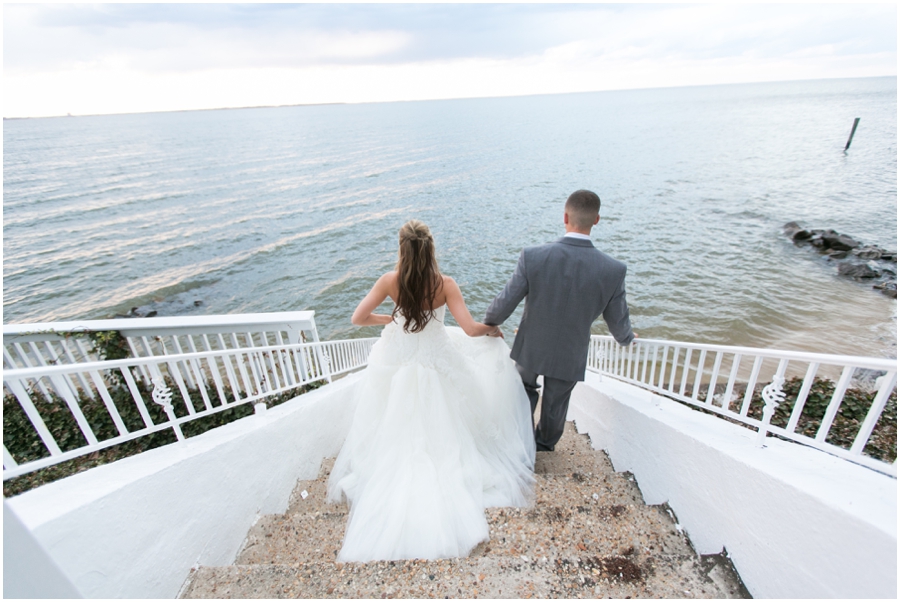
(496, 332)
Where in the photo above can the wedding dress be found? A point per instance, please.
(441, 431)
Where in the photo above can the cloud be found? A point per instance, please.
(175, 38)
(206, 36)
(179, 37)
(299, 53)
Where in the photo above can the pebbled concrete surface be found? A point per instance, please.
(588, 535)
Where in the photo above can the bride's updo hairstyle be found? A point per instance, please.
(417, 275)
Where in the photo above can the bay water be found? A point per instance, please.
(295, 208)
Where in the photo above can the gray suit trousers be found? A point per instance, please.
(554, 407)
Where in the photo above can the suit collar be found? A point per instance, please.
(577, 242)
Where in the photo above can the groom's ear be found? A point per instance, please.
(565, 218)
(597, 219)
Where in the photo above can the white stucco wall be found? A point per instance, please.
(797, 522)
(134, 528)
(28, 571)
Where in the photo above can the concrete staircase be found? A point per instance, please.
(588, 535)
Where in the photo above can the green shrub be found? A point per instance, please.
(882, 444)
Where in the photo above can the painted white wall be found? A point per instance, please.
(135, 527)
(796, 522)
(28, 571)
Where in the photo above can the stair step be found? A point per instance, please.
(292, 538)
(558, 531)
(679, 576)
(545, 530)
(316, 491)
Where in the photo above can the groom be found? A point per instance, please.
(566, 285)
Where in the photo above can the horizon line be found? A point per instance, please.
(318, 104)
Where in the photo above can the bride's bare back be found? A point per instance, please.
(448, 294)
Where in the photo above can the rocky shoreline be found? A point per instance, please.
(152, 309)
(853, 259)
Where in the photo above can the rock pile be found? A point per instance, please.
(854, 259)
(168, 308)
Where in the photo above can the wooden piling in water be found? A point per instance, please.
(853, 131)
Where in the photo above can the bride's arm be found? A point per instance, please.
(457, 306)
(363, 315)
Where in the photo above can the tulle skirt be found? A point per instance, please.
(442, 430)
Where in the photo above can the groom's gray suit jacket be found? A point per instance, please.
(566, 285)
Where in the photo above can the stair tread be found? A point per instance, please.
(546, 529)
(587, 576)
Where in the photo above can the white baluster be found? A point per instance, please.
(800, 402)
(865, 430)
(685, 370)
(732, 377)
(712, 379)
(675, 353)
(699, 377)
(751, 385)
(835, 403)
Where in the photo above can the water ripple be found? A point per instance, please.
(298, 207)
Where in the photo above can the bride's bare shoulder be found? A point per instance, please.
(449, 283)
(387, 283)
(387, 279)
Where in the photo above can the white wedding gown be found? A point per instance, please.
(441, 432)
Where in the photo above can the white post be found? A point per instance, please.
(324, 359)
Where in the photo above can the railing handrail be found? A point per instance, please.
(306, 317)
(158, 359)
(874, 363)
(710, 377)
(203, 382)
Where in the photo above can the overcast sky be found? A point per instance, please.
(119, 58)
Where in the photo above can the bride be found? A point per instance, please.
(441, 429)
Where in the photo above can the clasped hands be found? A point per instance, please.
(495, 332)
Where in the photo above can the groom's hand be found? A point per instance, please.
(496, 332)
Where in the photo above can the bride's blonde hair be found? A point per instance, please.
(418, 276)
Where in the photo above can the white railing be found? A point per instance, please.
(726, 381)
(222, 379)
(54, 343)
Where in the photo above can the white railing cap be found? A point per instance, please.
(878, 363)
(304, 318)
(146, 360)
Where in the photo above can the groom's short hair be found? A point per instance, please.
(583, 207)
